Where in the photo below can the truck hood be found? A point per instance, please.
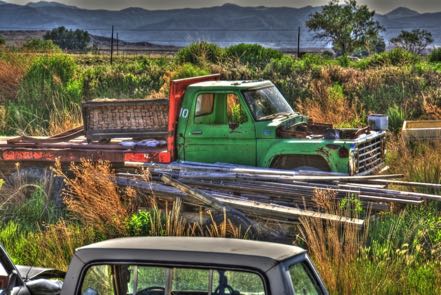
(267, 129)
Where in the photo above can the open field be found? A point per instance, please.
(398, 252)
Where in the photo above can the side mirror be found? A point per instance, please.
(233, 125)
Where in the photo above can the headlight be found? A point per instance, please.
(352, 163)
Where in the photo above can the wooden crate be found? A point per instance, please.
(119, 118)
(422, 130)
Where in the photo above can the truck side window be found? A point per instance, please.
(302, 280)
(204, 104)
(98, 280)
(235, 112)
(237, 282)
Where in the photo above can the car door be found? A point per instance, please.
(10, 278)
(221, 130)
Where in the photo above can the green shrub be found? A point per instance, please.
(394, 57)
(140, 223)
(253, 54)
(40, 45)
(435, 55)
(36, 211)
(189, 70)
(133, 79)
(396, 118)
(416, 230)
(284, 66)
(200, 53)
(49, 89)
(377, 89)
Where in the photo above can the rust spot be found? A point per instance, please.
(324, 152)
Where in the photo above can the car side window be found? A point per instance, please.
(303, 281)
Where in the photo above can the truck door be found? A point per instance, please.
(220, 130)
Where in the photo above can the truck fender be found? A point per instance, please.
(306, 157)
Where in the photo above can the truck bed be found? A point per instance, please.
(75, 149)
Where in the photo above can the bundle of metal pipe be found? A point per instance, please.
(289, 189)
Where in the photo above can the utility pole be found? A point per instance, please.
(298, 43)
(111, 47)
(117, 44)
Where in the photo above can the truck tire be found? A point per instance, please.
(301, 162)
(38, 175)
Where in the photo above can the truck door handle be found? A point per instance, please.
(196, 132)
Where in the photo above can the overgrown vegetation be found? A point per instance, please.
(40, 45)
(41, 95)
(94, 209)
(396, 254)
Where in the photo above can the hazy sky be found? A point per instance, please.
(379, 5)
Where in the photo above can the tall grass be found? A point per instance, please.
(418, 161)
(333, 245)
(391, 254)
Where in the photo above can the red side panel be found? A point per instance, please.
(177, 90)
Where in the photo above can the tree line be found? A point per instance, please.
(352, 28)
(349, 27)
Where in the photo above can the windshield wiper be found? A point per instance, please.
(276, 115)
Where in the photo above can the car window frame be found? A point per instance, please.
(86, 267)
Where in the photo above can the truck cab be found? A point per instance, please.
(171, 266)
(251, 123)
(191, 266)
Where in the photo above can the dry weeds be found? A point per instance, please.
(328, 106)
(333, 245)
(10, 77)
(62, 121)
(94, 198)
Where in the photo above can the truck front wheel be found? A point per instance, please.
(301, 162)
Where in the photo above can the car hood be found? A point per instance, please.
(33, 273)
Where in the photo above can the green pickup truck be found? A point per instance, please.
(208, 120)
(251, 123)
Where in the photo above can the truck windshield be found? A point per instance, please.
(267, 103)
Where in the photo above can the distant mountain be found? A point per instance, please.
(225, 25)
(401, 12)
(46, 4)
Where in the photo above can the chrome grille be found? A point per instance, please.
(369, 155)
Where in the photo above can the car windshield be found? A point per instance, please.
(267, 103)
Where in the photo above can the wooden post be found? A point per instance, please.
(111, 47)
(298, 43)
(117, 44)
